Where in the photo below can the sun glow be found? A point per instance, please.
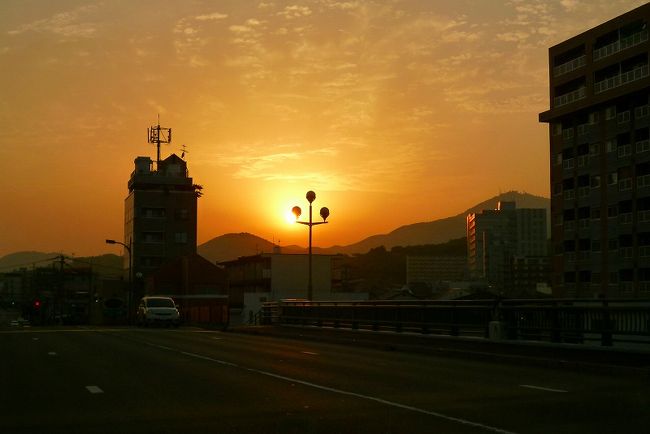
(290, 217)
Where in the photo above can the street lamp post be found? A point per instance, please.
(128, 297)
(324, 213)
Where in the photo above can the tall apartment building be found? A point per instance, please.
(496, 237)
(159, 213)
(600, 160)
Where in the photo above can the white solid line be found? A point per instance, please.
(383, 401)
(94, 389)
(356, 395)
(221, 362)
(546, 389)
(310, 353)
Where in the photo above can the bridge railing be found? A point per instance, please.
(578, 321)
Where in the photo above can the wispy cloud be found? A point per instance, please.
(66, 24)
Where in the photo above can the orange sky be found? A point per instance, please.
(394, 112)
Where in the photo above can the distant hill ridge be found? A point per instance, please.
(231, 246)
(108, 264)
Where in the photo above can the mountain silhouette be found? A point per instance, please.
(108, 264)
(231, 246)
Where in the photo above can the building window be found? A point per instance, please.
(582, 129)
(625, 218)
(182, 214)
(567, 134)
(180, 237)
(641, 112)
(610, 112)
(625, 184)
(595, 181)
(612, 211)
(595, 213)
(558, 159)
(643, 181)
(623, 117)
(612, 244)
(595, 245)
(594, 149)
(153, 237)
(612, 178)
(642, 146)
(610, 145)
(624, 150)
(153, 213)
(569, 277)
(151, 261)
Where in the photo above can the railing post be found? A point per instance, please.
(606, 339)
(398, 319)
(454, 325)
(375, 324)
(423, 320)
(556, 333)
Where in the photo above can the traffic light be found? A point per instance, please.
(37, 304)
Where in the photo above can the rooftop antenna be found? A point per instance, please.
(158, 135)
(184, 151)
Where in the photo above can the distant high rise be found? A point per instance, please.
(496, 237)
(159, 213)
(600, 160)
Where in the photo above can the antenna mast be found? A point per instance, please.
(157, 135)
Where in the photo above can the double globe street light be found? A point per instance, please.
(324, 213)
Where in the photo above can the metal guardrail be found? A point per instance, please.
(578, 321)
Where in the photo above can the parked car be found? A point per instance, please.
(158, 310)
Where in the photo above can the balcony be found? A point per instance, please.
(642, 146)
(625, 218)
(625, 184)
(621, 79)
(644, 216)
(643, 181)
(621, 44)
(570, 97)
(569, 66)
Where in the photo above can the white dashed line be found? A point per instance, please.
(94, 389)
(546, 389)
(309, 353)
(51, 353)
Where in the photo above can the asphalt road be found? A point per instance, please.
(127, 380)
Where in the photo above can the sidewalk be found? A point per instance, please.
(595, 359)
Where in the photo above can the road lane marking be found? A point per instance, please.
(382, 401)
(221, 362)
(34, 339)
(354, 394)
(94, 389)
(546, 389)
(310, 353)
(51, 353)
